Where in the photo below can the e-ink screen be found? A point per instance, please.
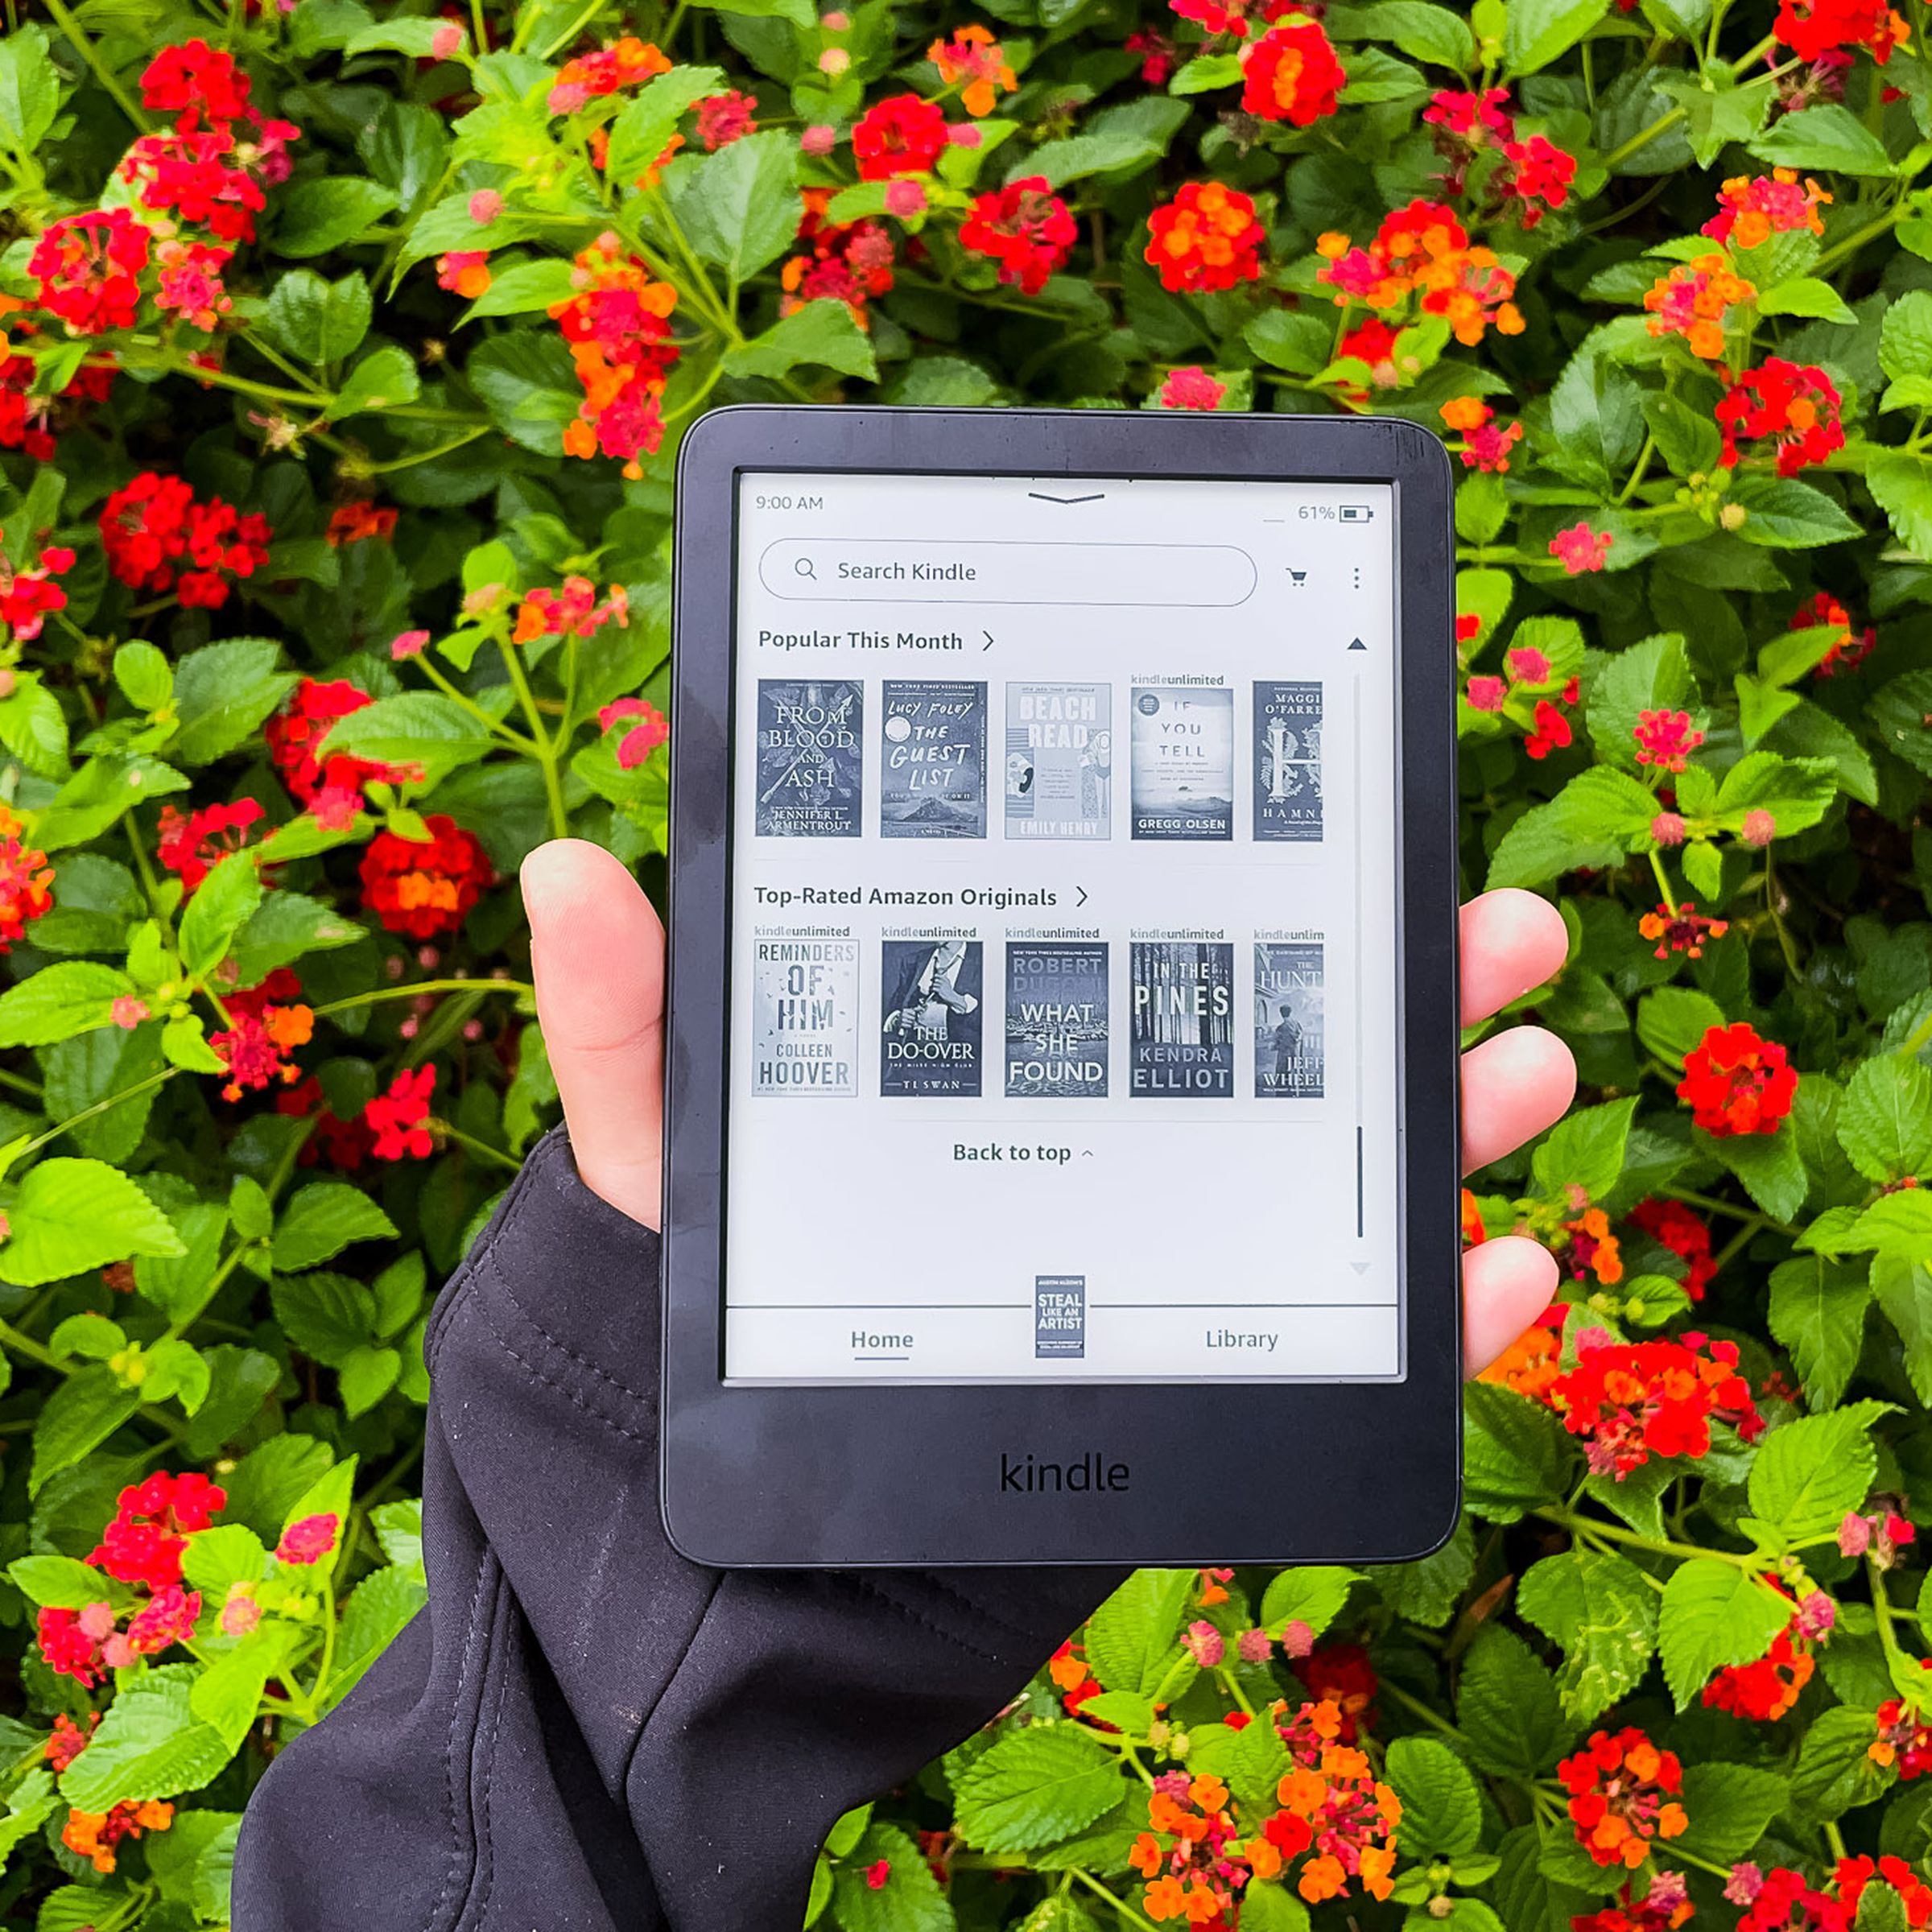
(1063, 979)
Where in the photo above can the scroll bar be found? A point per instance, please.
(1355, 707)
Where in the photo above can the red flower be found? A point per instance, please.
(1024, 227)
(619, 328)
(1230, 16)
(1157, 53)
(27, 882)
(1815, 29)
(331, 787)
(1750, 211)
(850, 262)
(1765, 1689)
(157, 537)
(356, 523)
(626, 63)
(642, 738)
(70, 1642)
(1206, 238)
(167, 1617)
(94, 1835)
(1736, 1082)
(193, 844)
(571, 611)
(424, 888)
(1795, 406)
(89, 267)
(1341, 1675)
(1632, 1401)
(1623, 1795)
(899, 135)
(1537, 171)
(1851, 1875)
(1191, 388)
(1486, 443)
(309, 1540)
(464, 272)
(1580, 550)
(1552, 732)
(1681, 928)
(145, 1542)
(1665, 739)
(1291, 74)
(1477, 121)
(399, 1118)
(876, 1875)
(1672, 1224)
(726, 117)
(28, 597)
(254, 1047)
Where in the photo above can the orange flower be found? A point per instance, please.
(1695, 300)
(1208, 1792)
(1165, 1898)
(974, 57)
(1322, 1877)
(1146, 1855)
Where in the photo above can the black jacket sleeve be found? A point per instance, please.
(583, 1731)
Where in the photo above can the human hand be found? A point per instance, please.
(597, 952)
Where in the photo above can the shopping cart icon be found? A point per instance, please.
(1297, 577)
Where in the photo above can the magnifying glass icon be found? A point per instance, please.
(804, 569)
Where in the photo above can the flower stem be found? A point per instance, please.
(543, 748)
(91, 54)
(482, 1148)
(1120, 1904)
(370, 998)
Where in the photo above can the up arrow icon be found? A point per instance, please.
(1356, 644)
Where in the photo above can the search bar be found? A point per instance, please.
(914, 570)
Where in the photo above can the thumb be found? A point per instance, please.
(597, 954)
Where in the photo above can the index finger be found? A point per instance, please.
(1512, 941)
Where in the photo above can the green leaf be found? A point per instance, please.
(642, 131)
(1836, 1773)
(1885, 1124)
(323, 212)
(1536, 32)
(1903, 1288)
(1118, 140)
(60, 1582)
(420, 728)
(71, 1215)
(1786, 515)
(1810, 1473)
(100, 794)
(414, 35)
(385, 378)
(98, 900)
(81, 1414)
(1653, 675)
(1585, 1149)
(1905, 336)
(1714, 1614)
(223, 901)
(1728, 1807)
(523, 287)
(822, 334)
(1797, 792)
(317, 322)
(529, 386)
(1817, 1312)
(1672, 1020)
(1034, 1786)
(327, 1316)
(1507, 1707)
(59, 1002)
(909, 1901)
(222, 693)
(382, 1604)
(1312, 1595)
(1769, 1165)
(1805, 296)
(1898, 710)
(150, 1745)
(1130, 1638)
(1827, 136)
(322, 1220)
(1422, 32)
(1516, 1456)
(1442, 1809)
(29, 89)
(1207, 73)
(1602, 1613)
(1598, 817)
(216, 1560)
(32, 725)
(739, 208)
(285, 927)
(227, 1695)
(366, 1376)
(1429, 1591)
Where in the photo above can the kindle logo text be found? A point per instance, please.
(1026, 1476)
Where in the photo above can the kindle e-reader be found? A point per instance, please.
(1061, 1129)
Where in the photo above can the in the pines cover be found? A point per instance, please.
(1183, 1020)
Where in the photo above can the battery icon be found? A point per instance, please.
(1356, 513)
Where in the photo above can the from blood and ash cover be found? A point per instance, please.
(1290, 1000)
(932, 759)
(811, 757)
(1288, 761)
(1182, 762)
(1056, 1019)
(1183, 1018)
(1059, 761)
(805, 1013)
(929, 1035)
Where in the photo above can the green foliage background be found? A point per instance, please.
(268, 1330)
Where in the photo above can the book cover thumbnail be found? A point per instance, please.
(811, 758)
(1288, 761)
(932, 759)
(1056, 1020)
(929, 1042)
(1182, 1019)
(805, 1016)
(1182, 762)
(1059, 761)
(1290, 999)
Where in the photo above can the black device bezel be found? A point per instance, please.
(849, 1474)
